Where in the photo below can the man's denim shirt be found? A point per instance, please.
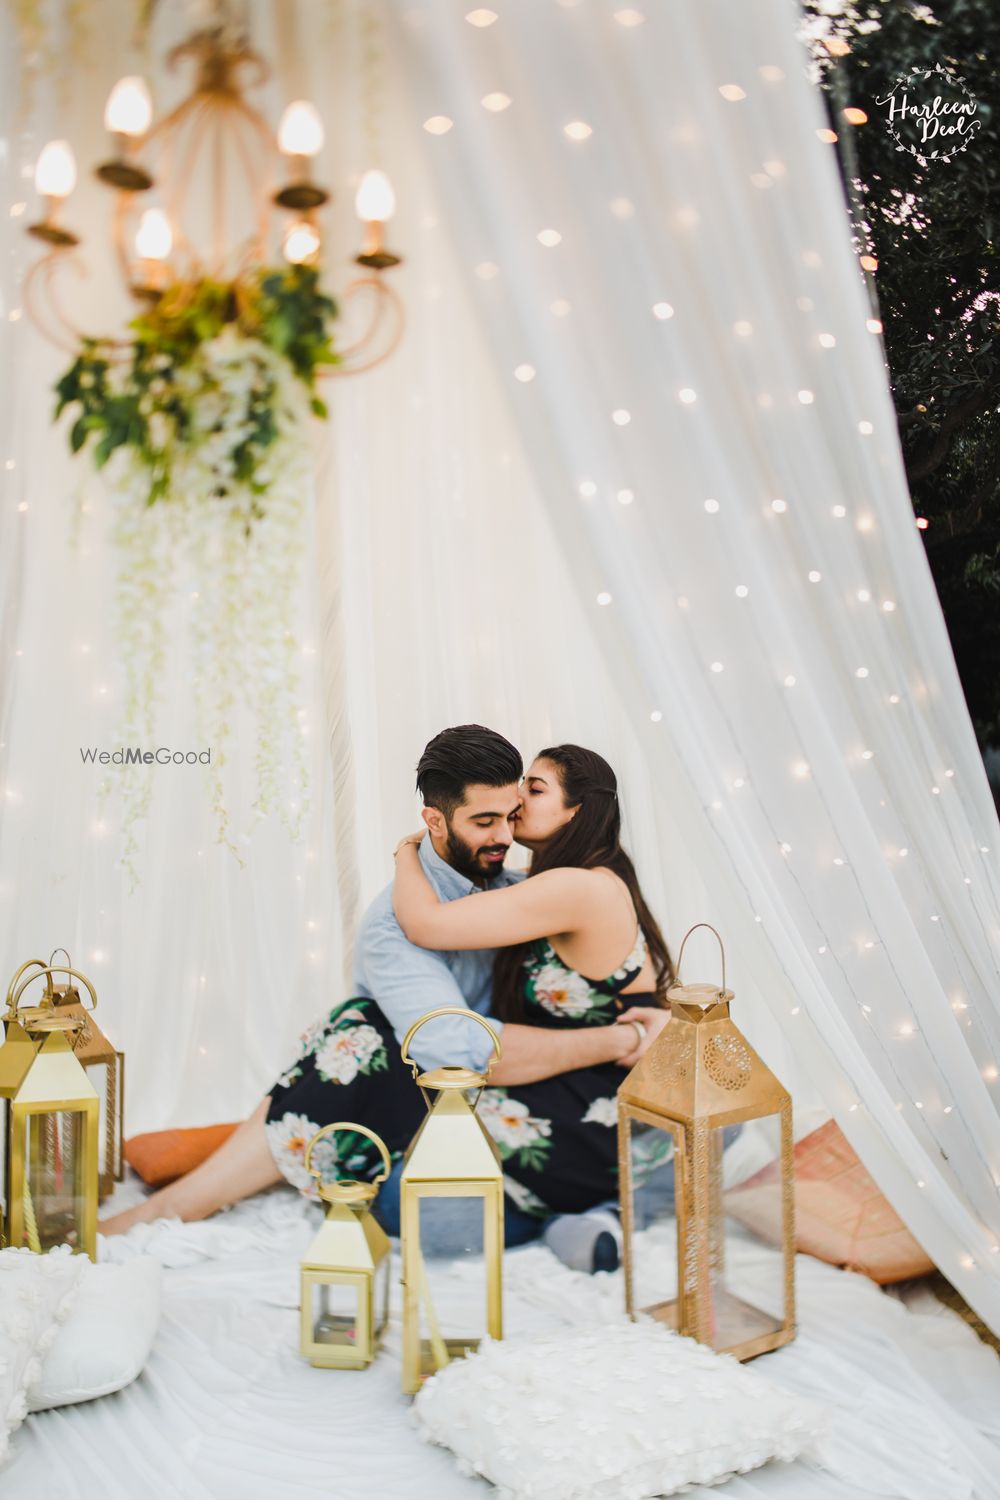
(408, 981)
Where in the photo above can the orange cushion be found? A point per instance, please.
(162, 1155)
(840, 1215)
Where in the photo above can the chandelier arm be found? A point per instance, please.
(169, 122)
(58, 329)
(218, 131)
(200, 117)
(388, 300)
(118, 236)
(267, 140)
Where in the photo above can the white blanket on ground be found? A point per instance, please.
(226, 1407)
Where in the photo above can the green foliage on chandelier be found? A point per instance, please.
(206, 377)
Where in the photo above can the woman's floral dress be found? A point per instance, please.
(557, 1138)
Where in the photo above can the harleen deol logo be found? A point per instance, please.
(931, 113)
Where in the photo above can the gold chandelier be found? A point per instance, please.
(213, 159)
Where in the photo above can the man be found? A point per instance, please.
(468, 778)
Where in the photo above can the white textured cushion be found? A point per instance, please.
(36, 1293)
(105, 1342)
(617, 1412)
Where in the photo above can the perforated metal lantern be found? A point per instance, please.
(700, 1077)
(451, 1156)
(105, 1067)
(345, 1271)
(49, 1114)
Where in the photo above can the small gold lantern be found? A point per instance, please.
(49, 1114)
(345, 1273)
(105, 1067)
(451, 1156)
(698, 1077)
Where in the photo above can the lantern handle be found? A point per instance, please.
(31, 963)
(48, 970)
(52, 955)
(450, 1010)
(721, 950)
(360, 1130)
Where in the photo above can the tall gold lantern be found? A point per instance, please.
(700, 1076)
(345, 1272)
(451, 1156)
(49, 1114)
(105, 1067)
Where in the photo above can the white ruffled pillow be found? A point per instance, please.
(105, 1341)
(617, 1412)
(37, 1293)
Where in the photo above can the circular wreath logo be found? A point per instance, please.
(931, 107)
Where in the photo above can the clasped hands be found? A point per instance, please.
(651, 1019)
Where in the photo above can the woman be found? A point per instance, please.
(579, 913)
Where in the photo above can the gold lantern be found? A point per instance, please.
(345, 1273)
(49, 1114)
(699, 1077)
(105, 1067)
(451, 1156)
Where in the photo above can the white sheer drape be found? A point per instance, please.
(772, 623)
(456, 566)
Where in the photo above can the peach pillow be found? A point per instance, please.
(162, 1155)
(840, 1215)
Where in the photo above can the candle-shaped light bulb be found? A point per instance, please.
(154, 238)
(55, 172)
(375, 201)
(129, 109)
(301, 130)
(301, 242)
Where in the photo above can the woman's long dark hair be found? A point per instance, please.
(591, 837)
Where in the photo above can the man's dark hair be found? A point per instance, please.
(466, 755)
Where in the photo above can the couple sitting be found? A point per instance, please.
(457, 929)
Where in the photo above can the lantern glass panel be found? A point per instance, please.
(98, 1074)
(654, 1264)
(383, 1286)
(725, 1280)
(4, 1148)
(456, 1223)
(55, 1197)
(753, 1207)
(335, 1312)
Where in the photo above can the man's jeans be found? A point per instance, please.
(456, 1225)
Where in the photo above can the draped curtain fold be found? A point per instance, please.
(658, 246)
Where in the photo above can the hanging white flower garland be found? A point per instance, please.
(242, 553)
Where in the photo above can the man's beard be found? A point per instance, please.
(467, 861)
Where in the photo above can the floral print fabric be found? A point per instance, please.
(557, 1138)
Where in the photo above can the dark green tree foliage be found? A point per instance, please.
(932, 229)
